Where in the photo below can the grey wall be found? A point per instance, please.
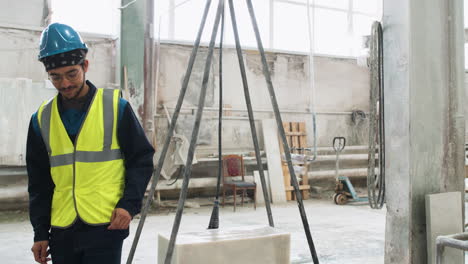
(19, 50)
(24, 12)
(19, 99)
(23, 86)
(341, 87)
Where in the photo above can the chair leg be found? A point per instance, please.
(255, 199)
(242, 200)
(224, 194)
(235, 194)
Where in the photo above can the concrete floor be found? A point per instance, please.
(342, 234)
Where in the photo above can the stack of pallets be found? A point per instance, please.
(297, 138)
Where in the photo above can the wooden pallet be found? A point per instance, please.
(297, 138)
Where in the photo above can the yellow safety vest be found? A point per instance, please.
(89, 175)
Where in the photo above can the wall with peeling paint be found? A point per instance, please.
(19, 49)
(341, 87)
(24, 12)
(19, 99)
(23, 86)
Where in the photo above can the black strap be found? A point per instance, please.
(214, 219)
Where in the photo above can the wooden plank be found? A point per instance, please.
(301, 187)
(305, 195)
(287, 129)
(196, 183)
(227, 110)
(296, 134)
(275, 172)
(287, 180)
(295, 139)
(302, 138)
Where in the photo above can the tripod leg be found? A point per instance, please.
(170, 133)
(194, 137)
(279, 122)
(251, 116)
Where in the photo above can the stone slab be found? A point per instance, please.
(444, 217)
(259, 194)
(272, 149)
(246, 245)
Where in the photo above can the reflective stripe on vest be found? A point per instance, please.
(88, 175)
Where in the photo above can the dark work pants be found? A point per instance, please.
(84, 244)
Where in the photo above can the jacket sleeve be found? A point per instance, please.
(40, 184)
(138, 154)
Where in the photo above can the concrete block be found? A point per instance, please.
(443, 217)
(272, 149)
(246, 245)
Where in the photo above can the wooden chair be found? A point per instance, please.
(233, 166)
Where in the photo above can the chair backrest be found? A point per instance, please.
(233, 165)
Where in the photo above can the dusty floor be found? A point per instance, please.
(342, 234)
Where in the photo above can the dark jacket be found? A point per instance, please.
(137, 151)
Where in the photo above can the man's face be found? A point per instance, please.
(69, 79)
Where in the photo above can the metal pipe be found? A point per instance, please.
(189, 108)
(193, 140)
(148, 101)
(279, 122)
(458, 241)
(251, 115)
(157, 171)
(311, 32)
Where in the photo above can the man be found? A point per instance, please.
(88, 161)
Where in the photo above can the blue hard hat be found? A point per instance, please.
(59, 38)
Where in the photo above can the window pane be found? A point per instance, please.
(343, 4)
(244, 24)
(188, 18)
(362, 26)
(161, 19)
(331, 32)
(102, 18)
(290, 27)
(368, 6)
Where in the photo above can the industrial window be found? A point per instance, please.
(331, 32)
(100, 17)
(290, 27)
(339, 25)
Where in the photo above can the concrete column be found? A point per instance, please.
(132, 44)
(424, 94)
(137, 57)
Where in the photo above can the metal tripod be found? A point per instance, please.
(188, 166)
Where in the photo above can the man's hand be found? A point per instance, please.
(120, 219)
(40, 251)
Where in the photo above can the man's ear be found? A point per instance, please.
(85, 65)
